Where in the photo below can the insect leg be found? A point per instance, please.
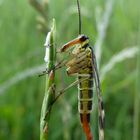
(101, 112)
(61, 92)
(57, 66)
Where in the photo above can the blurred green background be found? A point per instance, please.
(112, 27)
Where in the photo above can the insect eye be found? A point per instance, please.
(83, 38)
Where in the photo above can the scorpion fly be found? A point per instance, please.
(83, 64)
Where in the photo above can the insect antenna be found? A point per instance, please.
(79, 13)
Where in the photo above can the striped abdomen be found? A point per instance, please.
(85, 94)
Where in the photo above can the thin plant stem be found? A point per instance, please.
(50, 84)
(137, 103)
(136, 120)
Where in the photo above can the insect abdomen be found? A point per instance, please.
(85, 95)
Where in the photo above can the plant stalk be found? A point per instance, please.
(50, 83)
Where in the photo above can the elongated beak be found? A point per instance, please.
(70, 44)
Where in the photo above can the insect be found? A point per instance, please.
(82, 62)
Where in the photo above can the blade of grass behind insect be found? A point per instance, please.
(102, 26)
(50, 82)
(136, 119)
(118, 58)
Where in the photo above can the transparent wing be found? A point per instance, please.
(101, 113)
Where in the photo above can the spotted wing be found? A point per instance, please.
(101, 113)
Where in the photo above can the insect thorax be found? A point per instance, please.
(81, 61)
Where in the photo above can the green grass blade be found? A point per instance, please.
(50, 82)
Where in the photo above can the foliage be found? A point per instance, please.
(22, 91)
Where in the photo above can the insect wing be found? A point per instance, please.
(101, 113)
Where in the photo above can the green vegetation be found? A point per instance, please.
(112, 27)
